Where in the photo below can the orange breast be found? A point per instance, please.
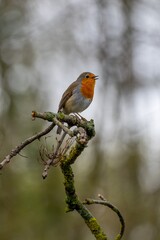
(87, 88)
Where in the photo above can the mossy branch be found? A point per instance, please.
(65, 157)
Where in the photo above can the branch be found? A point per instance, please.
(81, 135)
(104, 202)
(72, 200)
(56, 119)
(29, 140)
(71, 120)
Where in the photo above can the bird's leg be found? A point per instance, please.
(79, 116)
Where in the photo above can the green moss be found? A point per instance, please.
(74, 153)
(89, 126)
(72, 200)
(118, 237)
(61, 116)
(49, 116)
(95, 228)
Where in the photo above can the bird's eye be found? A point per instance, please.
(87, 76)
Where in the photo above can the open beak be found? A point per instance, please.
(96, 77)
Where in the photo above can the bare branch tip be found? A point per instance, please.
(44, 175)
(101, 197)
(33, 115)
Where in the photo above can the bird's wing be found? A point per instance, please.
(67, 94)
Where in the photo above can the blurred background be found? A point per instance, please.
(44, 46)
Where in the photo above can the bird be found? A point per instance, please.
(78, 96)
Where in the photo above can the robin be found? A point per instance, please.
(78, 96)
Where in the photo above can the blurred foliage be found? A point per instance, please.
(42, 41)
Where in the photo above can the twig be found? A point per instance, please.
(68, 144)
(104, 202)
(54, 118)
(60, 143)
(66, 129)
(50, 161)
(29, 140)
(59, 118)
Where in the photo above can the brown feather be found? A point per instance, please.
(67, 94)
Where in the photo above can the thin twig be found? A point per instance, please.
(66, 129)
(50, 161)
(104, 202)
(69, 143)
(29, 140)
(60, 143)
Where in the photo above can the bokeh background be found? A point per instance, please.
(44, 46)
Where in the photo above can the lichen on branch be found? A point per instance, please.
(69, 147)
